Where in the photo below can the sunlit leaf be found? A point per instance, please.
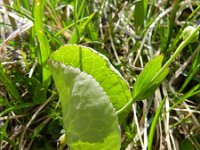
(145, 84)
(99, 67)
(90, 120)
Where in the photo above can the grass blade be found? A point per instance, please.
(44, 44)
(154, 123)
(78, 32)
(140, 10)
(171, 23)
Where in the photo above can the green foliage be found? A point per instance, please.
(191, 143)
(44, 44)
(99, 67)
(193, 91)
(140, 12)
(129, 33)
(78, 32)
(36, 90)
(146, 82)
(90, 120)
(9, 84)
(76, 92)
(194, 70)
(154, 123)
(171, 23)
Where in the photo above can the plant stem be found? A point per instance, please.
(177, 52)
(166, 65)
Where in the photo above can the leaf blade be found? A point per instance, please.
(146, 84)
(90, 120)
(44, 44)
(98, 66)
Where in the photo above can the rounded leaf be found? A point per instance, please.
(99, 67)
(90, 120)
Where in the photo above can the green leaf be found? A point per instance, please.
(146, 82)
(90, 121)
(99, 67)
(139, 13)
